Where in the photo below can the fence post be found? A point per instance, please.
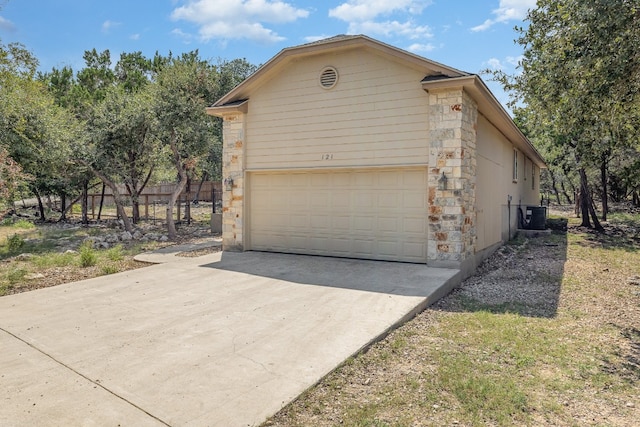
(146, 207)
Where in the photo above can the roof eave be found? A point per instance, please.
(339, 43)
(231, 108)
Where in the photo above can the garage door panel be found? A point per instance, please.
(321, 223)
(364, 224)
(340, 199)
(341, 223)
(414, 225)
(372, 214)
(388, 225)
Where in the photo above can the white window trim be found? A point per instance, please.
(515, 165)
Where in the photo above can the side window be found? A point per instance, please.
(515, 165)
(533, 176)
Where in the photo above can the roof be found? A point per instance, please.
(437, 76)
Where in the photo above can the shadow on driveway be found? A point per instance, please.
(393, 278)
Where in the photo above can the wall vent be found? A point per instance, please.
(328, 77)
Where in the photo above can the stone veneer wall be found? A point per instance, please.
(233, 130)
(452, 134)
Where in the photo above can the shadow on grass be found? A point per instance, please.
(620, 234)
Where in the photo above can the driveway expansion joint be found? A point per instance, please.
(94, 382)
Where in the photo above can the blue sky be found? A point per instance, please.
(470, 35)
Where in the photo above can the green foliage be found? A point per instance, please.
(123, 123)
(88, 255)
(115, 253)
(23, 224)
(108, 269)
(54, 259)
(15, 275)
(15, 242)
(579, 87)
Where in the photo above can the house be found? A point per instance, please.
(349, 147)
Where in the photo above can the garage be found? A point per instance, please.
(349, 147)
(377, 214)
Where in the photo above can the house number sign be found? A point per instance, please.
(327, 156)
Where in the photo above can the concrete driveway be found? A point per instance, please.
(224, 339)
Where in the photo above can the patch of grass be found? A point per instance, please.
(23, 224)
(15, 243)
(54, 259)
(115, 253)
(365, 416)
(109, 269)
(486, 396)
(15, 275)
(88, 255)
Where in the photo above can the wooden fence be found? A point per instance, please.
(154, 199)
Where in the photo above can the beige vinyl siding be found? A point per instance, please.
(376, 115)
(495, 183)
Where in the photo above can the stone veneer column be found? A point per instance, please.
(233, 132)
(452, 136)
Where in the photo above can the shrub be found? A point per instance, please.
(15, 243)
(115, 253)
(23, 223)
(109, 269)
(88, 255)
(15, 275)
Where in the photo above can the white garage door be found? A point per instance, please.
(371, 214)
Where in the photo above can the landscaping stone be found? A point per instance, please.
(24, 257)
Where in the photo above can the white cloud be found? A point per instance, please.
(186, 38)
(494, 64)
(420, 48)
(240, 19)
(134, 36)
(108, 25)
(388, 28)
(509, 10)
(6, 25)
(383, 17)
(365, 10)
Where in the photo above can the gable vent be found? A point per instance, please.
(328, 77)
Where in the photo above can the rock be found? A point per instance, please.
(137, 235)
(104, 245)
(111, 238)
(634, 280)
(70, 251)
(163, 239)
(24, 257)
(126, 236)
(34, 276)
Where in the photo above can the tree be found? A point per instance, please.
(184, 87)
(122, 146)
(36, 132)
(11, 176)
(578, 78)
